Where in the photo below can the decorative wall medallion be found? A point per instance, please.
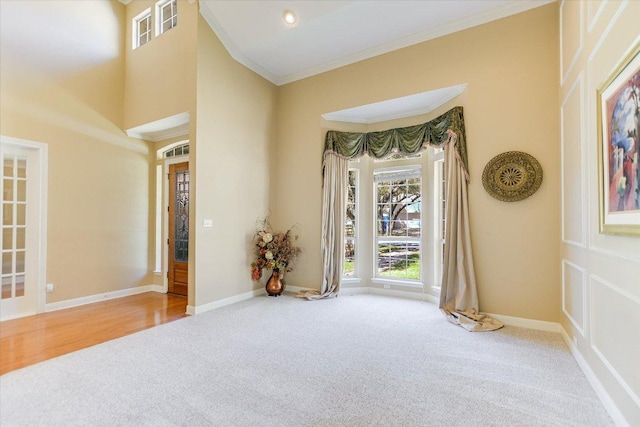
(512, 176)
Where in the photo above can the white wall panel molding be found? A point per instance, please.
(572, 154)
(594, 13)
(574, 303)
(593, 379)
(569, 54)
(607, 30)
(631, 257)
(614, 332)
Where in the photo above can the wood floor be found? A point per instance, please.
(36, 338)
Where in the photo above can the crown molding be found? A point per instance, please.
(233, 50)
(442, 30)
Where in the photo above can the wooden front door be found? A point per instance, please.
(178, 273)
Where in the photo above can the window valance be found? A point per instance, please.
(407, 140)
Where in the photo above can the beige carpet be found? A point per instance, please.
(352, 361)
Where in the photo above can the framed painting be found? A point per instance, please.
(618, 113)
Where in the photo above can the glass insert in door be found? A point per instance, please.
(182, 216)
(14, 226)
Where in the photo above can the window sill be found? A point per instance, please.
(351, 280)
(157, 272)
(396, 282)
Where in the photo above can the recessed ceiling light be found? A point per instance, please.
(289, 17)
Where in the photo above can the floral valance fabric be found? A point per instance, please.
(406, 140)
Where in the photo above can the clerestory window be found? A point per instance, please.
(166, 16)
(141, 29)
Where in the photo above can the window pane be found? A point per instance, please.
(7, 214)
(7, 239)
(349, 257)
(20, 256)
(22, 190)
(20, 286)
(350, 228)
(399, 217)
(20, 237)
(8, 166)
(7, 263)
(7, 190)
(350, 224)
(22, 214)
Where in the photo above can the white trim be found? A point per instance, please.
(579, 82)
(397, 282)
(198, 309)
(135, 29)
(160, 19)
(607, 30)
(622, 255)
(356, 290)
(593, 278)
(508, 9)
(75, 302)
(165, 128)
(165, 210)
(233, 50)
(581, 328)
(565, 73)
(595, 383)
(592, 23)
(43, 160)
(521, 322)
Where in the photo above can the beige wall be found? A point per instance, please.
(510, 104)
(235, 152)
(160, 75)
(601, 273)
(98, 178)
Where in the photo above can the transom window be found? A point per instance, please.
(180, 150)
(141, 33)
(166, 16)
(398, 222)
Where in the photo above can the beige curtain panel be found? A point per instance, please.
(459, 297)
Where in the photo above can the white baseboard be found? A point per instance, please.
(522, 322)
(75, 302)
(192, 310)
(597, 386)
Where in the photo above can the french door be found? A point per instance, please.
(22, 240)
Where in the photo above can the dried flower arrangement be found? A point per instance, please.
(275, 251)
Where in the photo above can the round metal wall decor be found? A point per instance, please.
(512, 176)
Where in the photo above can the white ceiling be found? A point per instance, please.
(330, 34)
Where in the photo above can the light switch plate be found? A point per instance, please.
(207, 223)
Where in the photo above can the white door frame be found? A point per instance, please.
(166, 162)
(41, 237)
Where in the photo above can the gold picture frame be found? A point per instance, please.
(618, 116)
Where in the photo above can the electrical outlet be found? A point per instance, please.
(50, 287)
(387, 286)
